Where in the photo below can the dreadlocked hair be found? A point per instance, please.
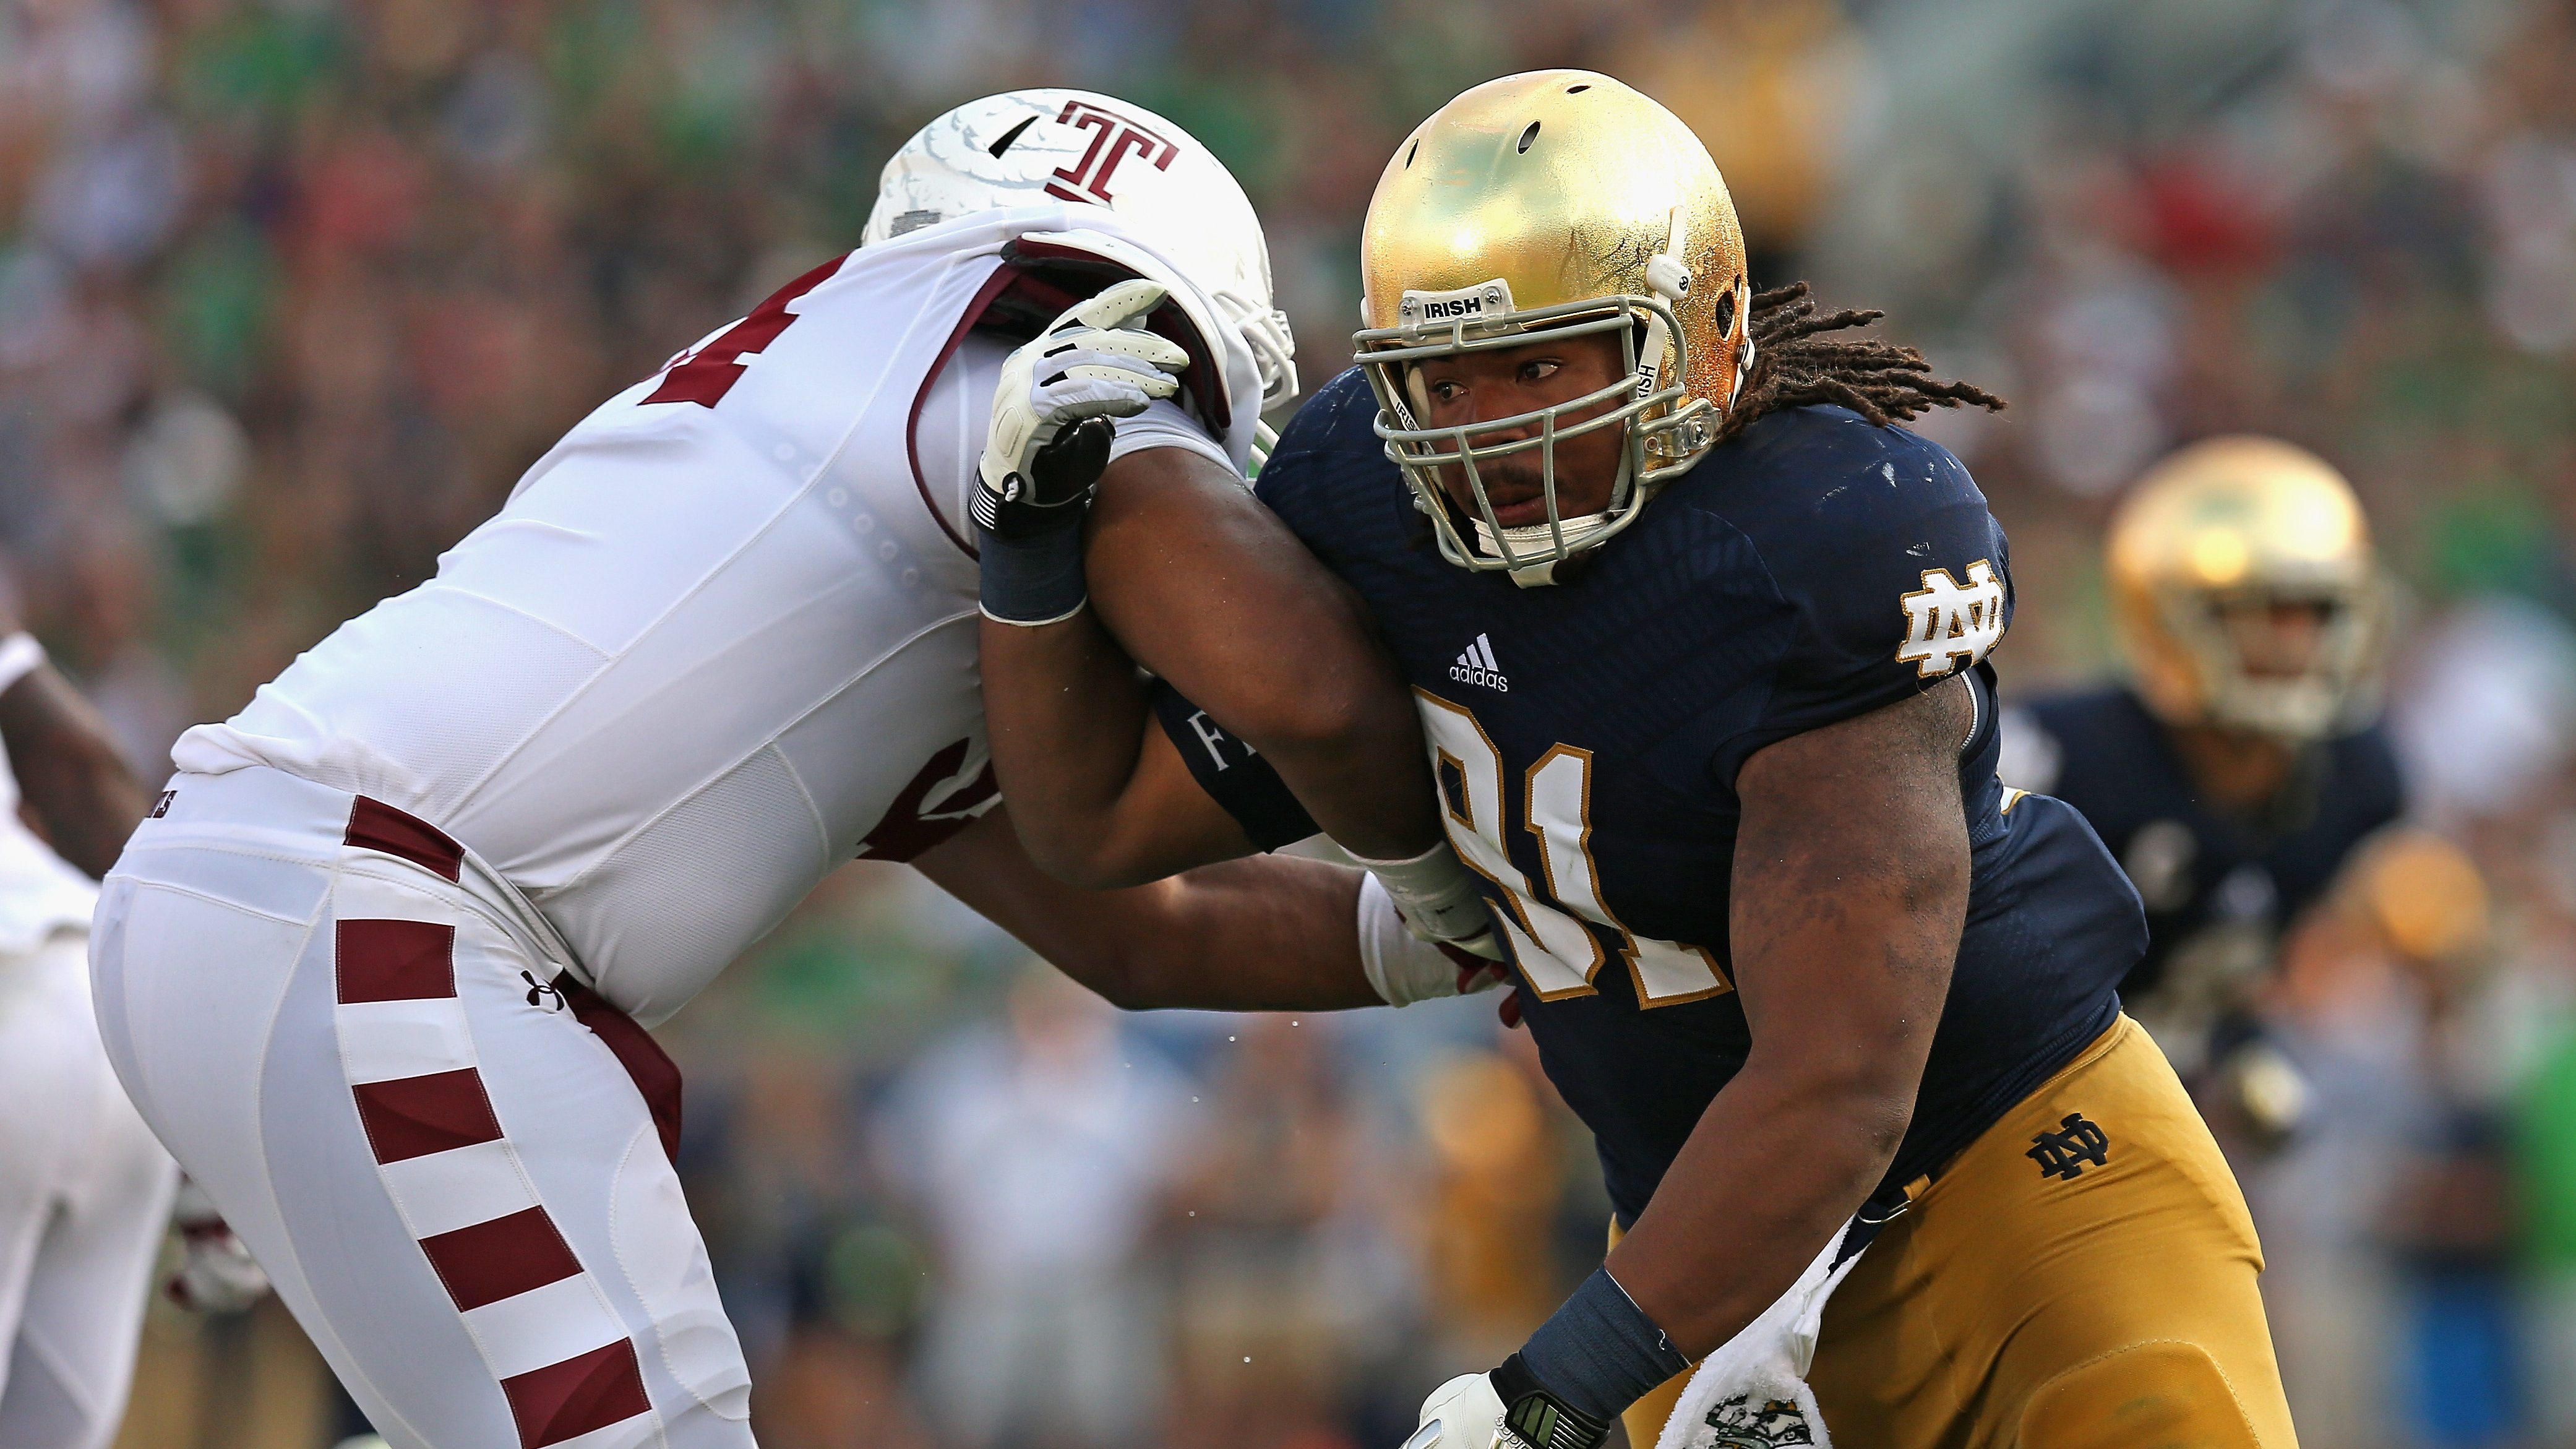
(1796, 364)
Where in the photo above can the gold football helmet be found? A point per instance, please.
(2211, 537)
(1559, 201)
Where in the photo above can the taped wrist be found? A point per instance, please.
(1031, 579)
(1434, 891)
(1599, 1352)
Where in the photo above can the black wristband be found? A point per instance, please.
(1238, 780)
(1599, 1352)
(1033, 578)
(1537, 1417)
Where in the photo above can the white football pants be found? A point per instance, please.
(84, 1199)
(451, 1157)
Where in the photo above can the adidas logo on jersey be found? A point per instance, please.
(1477, 667)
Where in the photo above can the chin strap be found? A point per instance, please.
(1576, 530)
(1537, 536)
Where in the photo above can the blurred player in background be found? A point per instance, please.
(84, 1189)
(375, 965)
(2239, 765)
(1699, 639)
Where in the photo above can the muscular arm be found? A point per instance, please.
(79, 788)
(1277, 933)
(1201, 585)
(1850, 891)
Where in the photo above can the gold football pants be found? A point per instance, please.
(2032, 1296)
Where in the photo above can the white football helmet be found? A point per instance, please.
(1028, 148)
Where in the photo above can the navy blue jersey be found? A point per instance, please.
(2199, 867)
(1587, 736)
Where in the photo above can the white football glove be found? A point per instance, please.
(1405, 968)
(1464, 1413)
(1436, 895)
(1094, 362)
(216, 1273)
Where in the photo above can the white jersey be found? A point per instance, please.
(722, 636)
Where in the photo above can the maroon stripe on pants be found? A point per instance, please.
(375, 825)
(415, 1116)
(646, 1064)
(568, 1399)
(501, 1258)
(394, 960)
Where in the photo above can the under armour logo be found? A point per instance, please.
(1742, 1424)
(2062, 1154)
(161, 806)
(539, 990)
(1947, 622)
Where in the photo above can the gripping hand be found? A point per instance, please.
(1464, 1413)
(1049, 442)
(1406, 968)
(1438, 900)
(1057, 393)
(1504, 1409)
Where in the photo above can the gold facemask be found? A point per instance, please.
(2231, 523)
(1559, 201)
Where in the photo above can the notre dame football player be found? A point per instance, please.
(1698, 639)
(2238, 766)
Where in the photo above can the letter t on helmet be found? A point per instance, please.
(1081, 148)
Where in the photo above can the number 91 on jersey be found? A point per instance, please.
(1550, 921)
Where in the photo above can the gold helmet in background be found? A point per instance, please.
(2204, 546)
(1559, 201)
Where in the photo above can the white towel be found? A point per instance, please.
(1751, 1393)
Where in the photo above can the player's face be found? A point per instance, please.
(1477, 386)
(2276, 638)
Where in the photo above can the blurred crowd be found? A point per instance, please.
(291, 290)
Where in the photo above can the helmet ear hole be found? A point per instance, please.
(1726, 313)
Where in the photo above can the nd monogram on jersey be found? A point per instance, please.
(1947, 625)
(1814, 569)
(722, 636)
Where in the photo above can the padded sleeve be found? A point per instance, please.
(1236, 778)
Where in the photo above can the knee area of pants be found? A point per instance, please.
(2168, 1395)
